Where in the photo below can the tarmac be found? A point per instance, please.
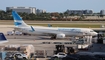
(37, 41)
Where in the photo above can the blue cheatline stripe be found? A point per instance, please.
(17, 23)
(16, 16)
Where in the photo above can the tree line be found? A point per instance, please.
(7, 15)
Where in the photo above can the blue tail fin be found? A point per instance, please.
(16, 16)
(18, 20)
(2, 38)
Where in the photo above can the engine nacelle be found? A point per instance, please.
(60, 36)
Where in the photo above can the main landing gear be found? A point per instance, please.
(53, 37)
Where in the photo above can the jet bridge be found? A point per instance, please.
(85, 39)
(100, 38)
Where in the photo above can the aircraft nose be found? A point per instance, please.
(95, 33)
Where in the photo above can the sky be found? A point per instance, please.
(56, 5)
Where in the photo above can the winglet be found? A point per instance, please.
(32, 28)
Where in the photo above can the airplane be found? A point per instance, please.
(54, 32)
(2, 38)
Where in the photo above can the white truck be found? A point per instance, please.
(18, 33)
(20, 56)
(10, 32)
(60, 55)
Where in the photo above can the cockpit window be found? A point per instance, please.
(91, 31)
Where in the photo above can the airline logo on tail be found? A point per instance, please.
(18, 22)
(2, 38)
(16, 16)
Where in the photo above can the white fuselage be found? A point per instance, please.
(56, 30)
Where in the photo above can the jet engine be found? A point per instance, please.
(60, 36)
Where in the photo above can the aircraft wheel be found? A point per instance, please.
(53, 37)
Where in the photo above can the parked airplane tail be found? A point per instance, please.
(49, 25)
(2, 38)
(18, 22)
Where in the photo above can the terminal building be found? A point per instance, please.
(102, 12)
(38, 11)
(79, 12)
(23, 9)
